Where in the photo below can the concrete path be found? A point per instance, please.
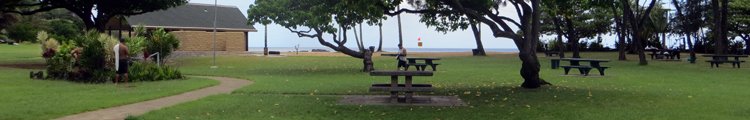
(226, 85)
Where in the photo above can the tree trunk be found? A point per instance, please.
(362, 38)
(530, 64)
(719, 40)
(380, 45)
(636, 24)
(691, 46)
(619, 26)
(400, 36)
(573, 39)
(558, 29)
(725, 24)
(478, 37)
(356, 37)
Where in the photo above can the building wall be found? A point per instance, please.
(203, 41)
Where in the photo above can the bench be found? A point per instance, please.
(582, 69)
(407, 87)
(735, 63)
(274, 52)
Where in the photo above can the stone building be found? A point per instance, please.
(193, 25)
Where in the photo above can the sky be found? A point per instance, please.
(412, 30)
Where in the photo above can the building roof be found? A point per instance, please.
(194, 16)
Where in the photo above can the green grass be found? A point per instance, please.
(22, 98)
(306, 88)
(22, 53)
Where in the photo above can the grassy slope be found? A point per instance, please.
(23, 98)
(298, 88)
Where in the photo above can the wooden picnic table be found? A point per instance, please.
(576, 63)
(422, 66)
(408, 88)
(717, 59)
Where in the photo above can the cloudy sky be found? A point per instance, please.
(412, 29)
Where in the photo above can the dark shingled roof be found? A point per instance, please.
(194, 16)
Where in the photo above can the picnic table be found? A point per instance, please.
(665, 55)
(408, 88)
(717, 59)
(422, 65)
(576, 63)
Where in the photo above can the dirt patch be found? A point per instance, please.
(25, 65)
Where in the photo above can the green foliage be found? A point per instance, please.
(162, 42)
(136, 45)
(105, 9)
(739, 19)
(61, 63)
(149, 71)
(22, 31)
(317, 14)
(63, 29)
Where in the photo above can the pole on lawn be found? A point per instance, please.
(214, 43)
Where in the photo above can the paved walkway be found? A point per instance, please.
(226, 85)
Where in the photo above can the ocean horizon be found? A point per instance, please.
(301, 49)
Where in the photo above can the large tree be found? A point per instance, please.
(637, 19)
(689, 21)
(524, 31)
(94, 13)
(576, 19)
(319, 19)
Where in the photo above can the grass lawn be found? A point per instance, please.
(308, 88)
(23, 98)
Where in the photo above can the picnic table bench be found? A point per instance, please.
(583, 69)
(720, 59)
(408, 88)
(423, 65)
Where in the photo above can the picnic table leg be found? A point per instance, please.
(409, 94)
(394, 84)
(433, 67)
(555, 63)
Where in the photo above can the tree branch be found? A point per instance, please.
(304, 33)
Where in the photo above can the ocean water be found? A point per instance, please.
(290, 49)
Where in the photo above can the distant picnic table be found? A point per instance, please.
(717, 59)
(422, 65)
(408, 88)
(665, 55)
(576, 63)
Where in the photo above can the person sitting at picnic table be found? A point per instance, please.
(401, 57)
(121, 61)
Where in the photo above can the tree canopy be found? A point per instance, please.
(318, 18)
(84, 9)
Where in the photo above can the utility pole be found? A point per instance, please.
(214, 43)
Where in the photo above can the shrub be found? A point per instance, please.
(61, 63)
(136, 45)
(149, 71)
(49, 47)
(63, 29)
(22, 31)
(162, 42)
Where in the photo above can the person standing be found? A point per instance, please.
(401, 57)
(121, 61)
